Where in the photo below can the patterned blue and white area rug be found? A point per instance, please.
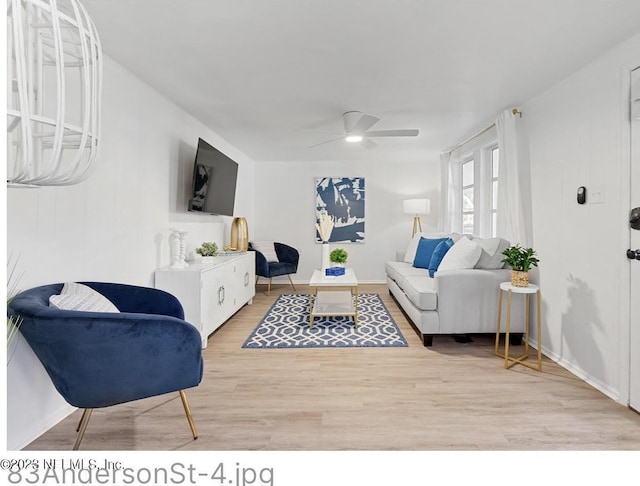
(286, 325)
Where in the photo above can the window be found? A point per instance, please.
(495, 161)
(468, 202)
(477, 163)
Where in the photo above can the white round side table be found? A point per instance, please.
(527, 291)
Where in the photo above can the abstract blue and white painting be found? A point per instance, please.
(342, 198)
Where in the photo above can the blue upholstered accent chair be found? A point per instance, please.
(287, 263)
(99, 359)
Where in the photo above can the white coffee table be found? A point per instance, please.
(333, 296)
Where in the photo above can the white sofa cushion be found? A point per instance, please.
(398, 271)
(415, 282)
(463, 254)
(421, 292)
(491, 256)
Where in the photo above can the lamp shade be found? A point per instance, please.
(416, 206)
(54, 68)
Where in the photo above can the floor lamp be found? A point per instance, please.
(416, 207)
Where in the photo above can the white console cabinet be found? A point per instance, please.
(210, 293)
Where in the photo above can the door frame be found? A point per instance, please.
(634, 184)
(624, 344)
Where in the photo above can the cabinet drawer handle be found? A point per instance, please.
(246, 279)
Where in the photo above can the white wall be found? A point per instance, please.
(577, 132)
(285, 209)
(112, 227)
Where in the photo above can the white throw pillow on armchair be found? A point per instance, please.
(79, 297)
(463, 254)
(267, 248)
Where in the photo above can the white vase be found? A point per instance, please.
(326, 263)
(176, 246)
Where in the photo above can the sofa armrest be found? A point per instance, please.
(286, 253)
(262, 267)
(468, 299)
(450, 282)
(137, 299)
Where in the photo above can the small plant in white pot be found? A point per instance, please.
(208, 250)
(521, 260)
(338, 257)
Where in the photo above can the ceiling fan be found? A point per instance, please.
(356, 130)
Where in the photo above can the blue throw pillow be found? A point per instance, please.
(425, 251)
(438, 254)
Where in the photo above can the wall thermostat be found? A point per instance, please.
(582, 195)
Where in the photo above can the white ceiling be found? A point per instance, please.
(260, 73)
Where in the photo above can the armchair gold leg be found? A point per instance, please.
(187, 411)
(84, 413)
(269, 287)
(82, 427)
(291, 282)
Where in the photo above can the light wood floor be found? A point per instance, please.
(449, 397)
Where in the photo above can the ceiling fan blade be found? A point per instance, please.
(365, 122)
(333, 132)
(392, 133)
(368, 144)
(326, 141)
(358, 122)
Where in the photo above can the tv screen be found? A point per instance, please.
(214, 181)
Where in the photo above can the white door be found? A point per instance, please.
(634, 372)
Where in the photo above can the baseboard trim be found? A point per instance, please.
(579, 373)
(51, 421)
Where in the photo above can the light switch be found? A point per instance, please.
(597, 195)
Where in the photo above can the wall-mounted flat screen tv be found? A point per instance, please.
(214, 181)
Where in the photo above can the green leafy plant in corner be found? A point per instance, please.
(13, 324)
(208, 249)
(338, 256)
(520, 259)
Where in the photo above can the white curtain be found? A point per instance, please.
(514, 186)
(450, 218)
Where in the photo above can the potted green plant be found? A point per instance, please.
(338, 257)
(521, 260)
(208, 250)
(13, 323)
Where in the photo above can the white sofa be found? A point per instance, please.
(454, 302)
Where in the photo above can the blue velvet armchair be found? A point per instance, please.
(287, 263)
(99, 359)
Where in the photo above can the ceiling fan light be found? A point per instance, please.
(353, 138)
